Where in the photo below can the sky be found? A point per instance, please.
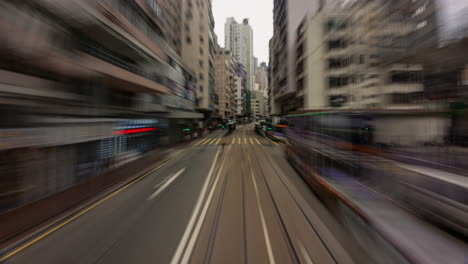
(260, 14)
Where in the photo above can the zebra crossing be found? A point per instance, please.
(226, 141)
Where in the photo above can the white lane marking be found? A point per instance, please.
(245, 141)
(306, 256)
(201, 219)
(238, 141)
(251, 142)
(258, 142)
(188, 230)
(166, 184)
(262, 218)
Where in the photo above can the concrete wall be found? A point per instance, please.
(296, 11)
(314, 86)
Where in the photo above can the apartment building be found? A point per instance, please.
(87, 92)
(241, 90)
(225, 83)
(270, 77)
(261, 76)
(340, 65)
(240, 96)
(287, 15)
(198, 43)
(258, 104)
(239, 40)
(438, 37)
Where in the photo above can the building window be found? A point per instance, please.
(335, 25)
(406, 76)
(337, 44)
(202, 39)
(189, 15)
(361, 59)
(187, 27)
(200, 76)
(421, 25)
(201, 51)
(336, 82)
(338, 63)
(362, 78)
(200, 63)
(420, 9)
(189, 40)
(201, 88)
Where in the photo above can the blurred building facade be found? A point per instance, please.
(241, 90)
(339, 53)
(198, 44)
(238, 38)
(87, 92)
(225, 83)
(287, 15)
(339, 61)
(261, 76)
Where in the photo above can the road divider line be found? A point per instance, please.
(258, 142)
(71, 219)
(262, 219)
(188, 230)
(166, 184)
(201, 219)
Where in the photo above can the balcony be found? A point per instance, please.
(131, 75)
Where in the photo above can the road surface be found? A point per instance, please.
(223, 199)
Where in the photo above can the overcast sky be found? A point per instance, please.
(260, 14)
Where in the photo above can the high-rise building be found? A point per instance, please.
(270, 89)
(258, 104)
(225, 85)
(239, 40)
(255, 65)
(102, 66)
(198, 42)
(261, 76)
(241, 90)
(340, 64)
(167, 14)
(287, 15)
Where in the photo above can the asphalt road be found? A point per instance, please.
(224, 199)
